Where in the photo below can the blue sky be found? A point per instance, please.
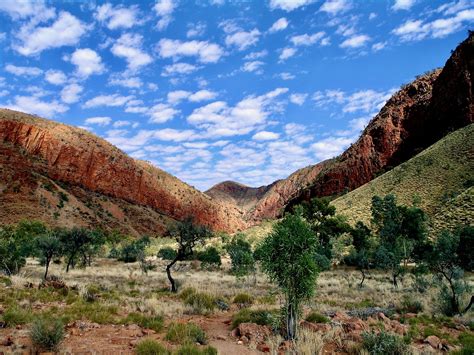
(221, 90)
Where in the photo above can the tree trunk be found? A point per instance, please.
(469, 305)
(168, 272)
(48, 260)
(363, 278)
(291, 321)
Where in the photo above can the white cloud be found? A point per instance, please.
(379, 46)
(70, 93)
(117, 17)
(161, 113)
(205, 51)
(174, 97)
(279, 25)
(363, 100)
(132, 82)
(218, 119)
(286, 76)
(328, 97)
(55, 77)
(256, 55)
(164, 9)
(196, 29)
(107, 100)
(33, 105)
(23, 71)
(100, 121)
(128, 46)
(330, 147)
(177, 96)
(355, 41)
(265, 136)
(242, 40)
(253, 66)
(287, 53)
(122, 123)
(202, 95)
(307, 40)
(3, 36)
(333, 7)
(169, 134)
(179, 68)
(288, 5)
(22, 9)
(298, 98)
(87, 62)
(65, 31)
(403, 4)
(415, 30)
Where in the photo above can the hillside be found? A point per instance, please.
(68, 176)
(440, 177)
(414, 118)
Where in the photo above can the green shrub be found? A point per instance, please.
(151, 347)
(186, 292)
(15, 315)
(47, 333)
(91, 293)
(209, 258)
(191, 349)
(5, 280)
(384, 343)
(183, 333)
(467, 342)
(260, 316)
(411, 305)
(315, 317)
(167, 253)
(243, 300)
(149, 322)
(200, 302)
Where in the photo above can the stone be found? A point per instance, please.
(434, 341)
(264, 348)
(315, 327)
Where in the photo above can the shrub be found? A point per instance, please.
(411, 305)
(243, 300)
(149, 322)
(134, 250)
(151, 347)
(209, 258)
(200, 302)
(167, 253)
(241, 256)
(15, 315)
(467, 342)
(46, 333)
(261, 317)
(183, 333)
(384, 343)
(190, 349)
(315, 317)
(186, 292)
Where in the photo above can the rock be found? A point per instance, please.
(434, 341)
(264, 348)
(240, 342)
(235, 333)
(315, 327)
(244, 339)
(254, 332)
(8, 341)
(383, 318)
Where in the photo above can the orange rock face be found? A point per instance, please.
(79, 159)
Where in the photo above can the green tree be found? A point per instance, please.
(362, 254)
(241, 256)
(79, 242)
(287, 257)
(188, 235)
(326, 225)
(134, 250)
(401, 233)
(48, 246)
(445, 261)
(210, 258)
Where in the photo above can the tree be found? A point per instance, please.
(210, 258)
(48, 246)
(188, 235)
(241, 256)
(444, 260)
(326, 225)
(362, 254)
(402, 234)
(76, 242)
(287, 257)
(134, 250)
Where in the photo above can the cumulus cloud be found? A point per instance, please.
(308, 40)
(164, 9)
(70, 93)
(23, 71)
(132, 82)
(330, 147)
(265, 136)
(107, 100)
(65, 31)
(242, 39)
(128, 46)
(256, 55)
(118, 16)
(87, 62)
(22, 9)
(55, 77)
(298, 98)
(196, 29)
(253, 66)
(334, 7)
(206, 52)
(403, 4)
(33, 105)
(174, 97)
(286, 53)
(179, 69)
(100, 121)
(279, 25)
(289, 5)
(286, 76)
(161, 113)
(355, 41)
(363, 100)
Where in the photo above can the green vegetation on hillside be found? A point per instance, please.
(439, 180)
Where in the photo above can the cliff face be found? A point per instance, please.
(77, 159)
(415, 117)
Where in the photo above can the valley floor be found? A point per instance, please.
(106, 307)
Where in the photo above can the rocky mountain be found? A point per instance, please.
(414, 118)
(68, 176)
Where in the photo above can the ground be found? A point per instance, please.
(101, 302)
